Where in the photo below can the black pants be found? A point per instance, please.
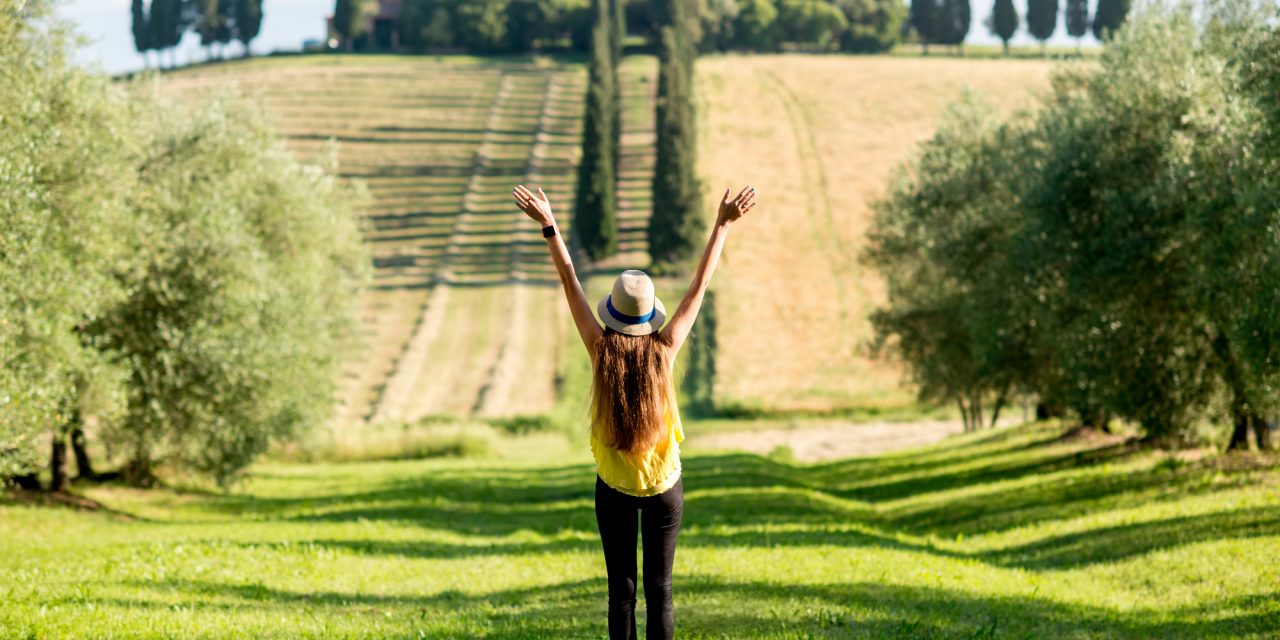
(659, 522)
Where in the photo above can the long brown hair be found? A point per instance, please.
(630, 379)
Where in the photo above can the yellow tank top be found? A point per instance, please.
(648, 473)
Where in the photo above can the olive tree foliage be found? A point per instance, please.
(167, 267)
(63, 177)
(241, 299)
(1116, 252)
(940, 238)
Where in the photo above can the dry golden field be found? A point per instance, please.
(438, 142)
(818, 136)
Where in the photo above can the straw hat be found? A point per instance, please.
(632, 308)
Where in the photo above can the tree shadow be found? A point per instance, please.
(711, 607)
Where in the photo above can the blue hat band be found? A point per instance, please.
(626, 319)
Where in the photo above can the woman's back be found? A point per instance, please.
(649, 469)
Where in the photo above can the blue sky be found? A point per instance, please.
(287, 23)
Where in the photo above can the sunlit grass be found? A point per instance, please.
(1008, 534)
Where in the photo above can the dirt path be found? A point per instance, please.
(822, 440)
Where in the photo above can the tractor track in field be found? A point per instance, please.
(816, 188)
(494, 397)
(392, 403)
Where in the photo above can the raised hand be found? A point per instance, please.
(536, 207)
(731, 210)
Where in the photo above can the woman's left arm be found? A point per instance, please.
(539, 208)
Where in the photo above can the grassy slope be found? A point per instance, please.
(819, 136)
(1006, 534)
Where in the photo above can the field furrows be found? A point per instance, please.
(494, 398)
(401, 395)
(463, 312)
(636, 157)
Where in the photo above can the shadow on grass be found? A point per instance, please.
(708, 607)
(748, 501)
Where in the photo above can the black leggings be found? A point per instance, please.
(659, 520)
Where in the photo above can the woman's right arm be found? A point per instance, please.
(681, 322)
(539, 208)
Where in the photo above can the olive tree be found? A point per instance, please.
(63, 177)
(241, 298)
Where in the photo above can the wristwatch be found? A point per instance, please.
(549, 231)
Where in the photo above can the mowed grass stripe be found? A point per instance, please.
(400, 399)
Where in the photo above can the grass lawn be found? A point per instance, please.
(1017, 533)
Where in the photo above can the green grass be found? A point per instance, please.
(1006, 534)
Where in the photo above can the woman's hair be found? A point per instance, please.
(630, 379)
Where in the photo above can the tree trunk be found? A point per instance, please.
(1000, 400)
(1261, 433)
(79, 446)
(1045, 411)
(1006, 48)
(27, 481)
(964, 415)
(58, 462)
(925, 45)
(975, 409)
(138, 470)
(1240, 433)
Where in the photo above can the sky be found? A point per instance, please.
(288, 23)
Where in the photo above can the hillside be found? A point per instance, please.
(439, 141)
(438, 144)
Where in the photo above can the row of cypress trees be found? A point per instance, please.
(675, 226)
(595, 225)
(158, 25)
(946, 22)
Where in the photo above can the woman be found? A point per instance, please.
(635, 431)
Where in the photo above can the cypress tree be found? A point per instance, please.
(1004, 22)
(1042, 19)
(675, 228)
(953, 22)
(1077, 19)
(165, 24)
(924, 19)
(1108, 17)
(347, 21)
(248, 22)
(617, 38)
(141, 28)
(595, 217)
(618, 28)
